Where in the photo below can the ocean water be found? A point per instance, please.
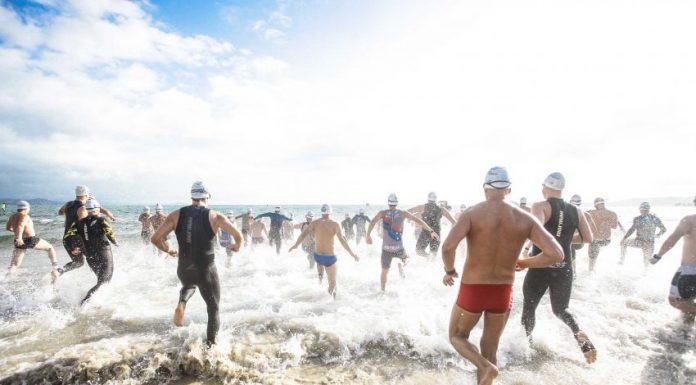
(279, 326)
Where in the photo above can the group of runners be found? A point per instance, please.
(501, 239)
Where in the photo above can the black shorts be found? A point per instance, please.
(388, 255)
(29, 243)
(683, 285)
(256, 240)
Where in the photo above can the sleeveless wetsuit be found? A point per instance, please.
(347, 225)
(95, 233)
(197, 262)
(559, 277)
(69, 243)
(432, 214)
(392, 243)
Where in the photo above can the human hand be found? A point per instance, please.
(19, 242)
(434, 235)
(368, 239)
(448, 279)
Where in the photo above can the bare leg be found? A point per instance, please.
(493, 326)
(461, 323)
(17, 257)
(45, 246)
(331, 277)
(623, 252)
(320, 272)
(401, 269)
(687, 307)
(383, 278)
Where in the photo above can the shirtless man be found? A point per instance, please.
(431, 213)
(562, 220)
(578, 243)
(392, 242)
(495, 231)
(682, 294)
(604, 220)
(324, 230)
(195, 227)
(247, 220)
(22, 226)
(146, 230)
(157, 220)
(257, 231)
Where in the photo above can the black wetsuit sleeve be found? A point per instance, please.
(72, 237)
(286, 218)
(239, 216)
(109, 231)
(263, 215)
(659, 224)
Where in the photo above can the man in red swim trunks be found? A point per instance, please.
(495, 231)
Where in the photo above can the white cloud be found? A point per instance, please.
(271, 34)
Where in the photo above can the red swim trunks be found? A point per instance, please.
(476, 298)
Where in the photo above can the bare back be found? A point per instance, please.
(325, 231)
(497, 232)
(689, 242)
(257, 229)
(605, 220)
(20, 219)
(157, 220)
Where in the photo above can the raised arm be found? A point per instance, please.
(551, 251)
(459, 231)
(224, 223)
(416, 210)
(264, 215)
(447, 215)
(303, 235)
(683, 228)
(61, 210)
(344, 242)
(167, 227)
(108, 213)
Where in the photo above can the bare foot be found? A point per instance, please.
(54, 276)
(586, 346)
(12, 272)
(179, 314)
(487, 374)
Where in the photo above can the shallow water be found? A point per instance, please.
(279, 326)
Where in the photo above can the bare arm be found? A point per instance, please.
(551, 251)
(421, 223)
(19, 230)
(459, 231)
(344, 242)
(224, 223)
(374, 221)
(167, 227)
(447, 215)
(303, 236)
(683, 228)
(107, 213)
(61, 210)
(264, 230)
(584, 228)
(630, 231)
(417, 209)
(538, 212)
(8, 225)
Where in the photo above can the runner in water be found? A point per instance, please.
(604, 220)
(347, 225)
(195, 227)
(95, 234)
(247, 219)
(157, 220)
(325, 230)
(288, 229)
(275, 234)
(257, 231)
(682, 294)
(392, 242)
(644, 226)
(308, 244)
(74, 211)
(523, 205)
(25, 238)
(576, 200)
(146, 230)
(225, 239)
(360, 221)
(432, 213)
(3, 208)
(495, 231)
(561, 219)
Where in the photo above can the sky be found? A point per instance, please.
(311, 101)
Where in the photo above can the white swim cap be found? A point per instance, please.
(598, 201)
(432, 197)
(576, 200)
(361, 211)
(462, 207)
(277, 209)
(23, 205)
(199, 191)
(92, 204)
(81, 191)
(145, 209)
(555, 181)
(158, 207)
(497, 178)
(325, 209)
(309, 215)
(230, 213)
(523, 201)
(392, 200)
(645, 206)
(249, 210)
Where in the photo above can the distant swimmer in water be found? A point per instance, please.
(347, 225)
(257, 231)
(644, 226)
(25, 238)
(74, 211)
(308, 244)
(275, 234)
(523, 205)
(561, 219)
(247, 219)
(495, 231)
(226, 241)
(325, 230)
(195, 227)
(605, 220)
(95, 233)
(157, 220)
(360, 221)
(431, 213)
(682, 294)
(146, 230)
(392, 241)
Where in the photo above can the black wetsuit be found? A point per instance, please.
(347, 225)
(558, 278)
(197, 262)
(275, 234)
(432, 214)
(95, 233)
(77, 261)
(360, 221)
